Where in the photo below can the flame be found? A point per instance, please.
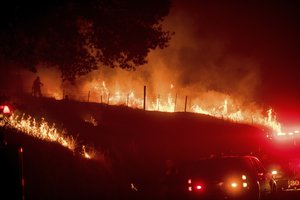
(220, 108)
(89, 154)
(91, 121)
(213, 104)
(43, 131)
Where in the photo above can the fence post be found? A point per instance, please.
(190, 104)
(158, 98)
(127, 100)
(185, 103)
(108, 98)
(101, 99)
(175, 102)
(89, 96)
(144, 97)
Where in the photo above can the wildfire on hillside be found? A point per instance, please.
(217, 105)
(164, 97)
(44, 131)
(172, 99)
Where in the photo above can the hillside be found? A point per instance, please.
(135, 144)
(118, 126)
(52, 172)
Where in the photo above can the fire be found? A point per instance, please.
(88, 154)
(170, 99)
(100, 93)
(225, 108)
(91, 121)
(42, 130)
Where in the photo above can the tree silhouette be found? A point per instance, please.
(78, 36)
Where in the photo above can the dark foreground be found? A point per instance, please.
(289, 195)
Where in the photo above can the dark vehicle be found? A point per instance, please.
(284, 163)
(287, 174)
(228, 177)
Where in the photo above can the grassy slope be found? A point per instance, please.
(53, 172)
(171, 134)
(136, 142)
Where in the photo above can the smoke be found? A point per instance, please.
(50, 77)
(201, 56)
(198, 63)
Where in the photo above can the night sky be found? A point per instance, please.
(265, 33)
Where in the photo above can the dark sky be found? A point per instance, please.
(267, 33)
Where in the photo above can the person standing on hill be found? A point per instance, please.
(36, 87)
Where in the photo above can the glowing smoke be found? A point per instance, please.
(197, 63)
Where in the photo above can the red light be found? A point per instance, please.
(6, 110)
(190, 181)
(190, 189)
(199, 187)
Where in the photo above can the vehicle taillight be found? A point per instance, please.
(196, 187)
(199, 187)
(6, 110)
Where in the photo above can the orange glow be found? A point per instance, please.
(165, 96)
(43, 131)
(234, 185)
(91, 121)
(219, 106)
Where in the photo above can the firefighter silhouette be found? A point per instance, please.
(36, 87)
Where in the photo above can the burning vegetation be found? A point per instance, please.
(123, 88)
(212, 103)
(45, 131)
(196, 73)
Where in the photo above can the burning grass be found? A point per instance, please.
(214, 104)
(42, 130)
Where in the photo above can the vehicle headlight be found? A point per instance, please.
(274, 172)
